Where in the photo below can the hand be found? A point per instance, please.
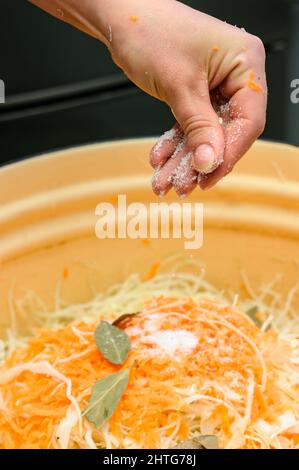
(211, 74)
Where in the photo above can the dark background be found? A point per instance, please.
(62, 88)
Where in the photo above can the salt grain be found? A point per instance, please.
(182, 172)
(235, 133)
(167, 136)
(223, 112)
(154, 182)
(173, 341)
(179, 147)
(156, 174)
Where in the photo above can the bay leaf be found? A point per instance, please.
(112, 342)
(251, 312)
(120, 320)
(106, 395)
(208, 441)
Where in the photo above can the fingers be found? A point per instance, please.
(242, 121)
(201, 127)
(166, 146)
(179, 162)
(178, 172)
(243, 124)
(245, 113)
(219, 137)
(185, 176)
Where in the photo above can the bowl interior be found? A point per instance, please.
(47, 225)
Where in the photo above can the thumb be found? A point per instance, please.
(201, 126)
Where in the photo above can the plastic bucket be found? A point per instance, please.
(47, 223)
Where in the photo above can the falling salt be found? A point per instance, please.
(172, 341)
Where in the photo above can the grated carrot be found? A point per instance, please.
(170, 395)
(252, 84)
(66, 273)
(152, 271)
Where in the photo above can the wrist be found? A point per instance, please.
(125, 18)
(129, 25)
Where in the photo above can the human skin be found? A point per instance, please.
(210, 74)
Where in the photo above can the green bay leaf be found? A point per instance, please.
(112, 342)
(252, 313)
(106, 395)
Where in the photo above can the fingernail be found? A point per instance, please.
(204, 159)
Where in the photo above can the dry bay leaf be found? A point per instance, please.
(112, 342)
(106, 394)
(123, 318)
(208, 441)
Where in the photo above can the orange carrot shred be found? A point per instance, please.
(35, 404)
(252, 84)
(66, 273)
(152, 271)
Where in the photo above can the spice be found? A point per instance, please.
(112, 342)
(173, 341)
(200, 442)
(105, 397)
(122, 319)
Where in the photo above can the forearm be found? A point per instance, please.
(104, 19)
(126, 27)
(91, 16)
